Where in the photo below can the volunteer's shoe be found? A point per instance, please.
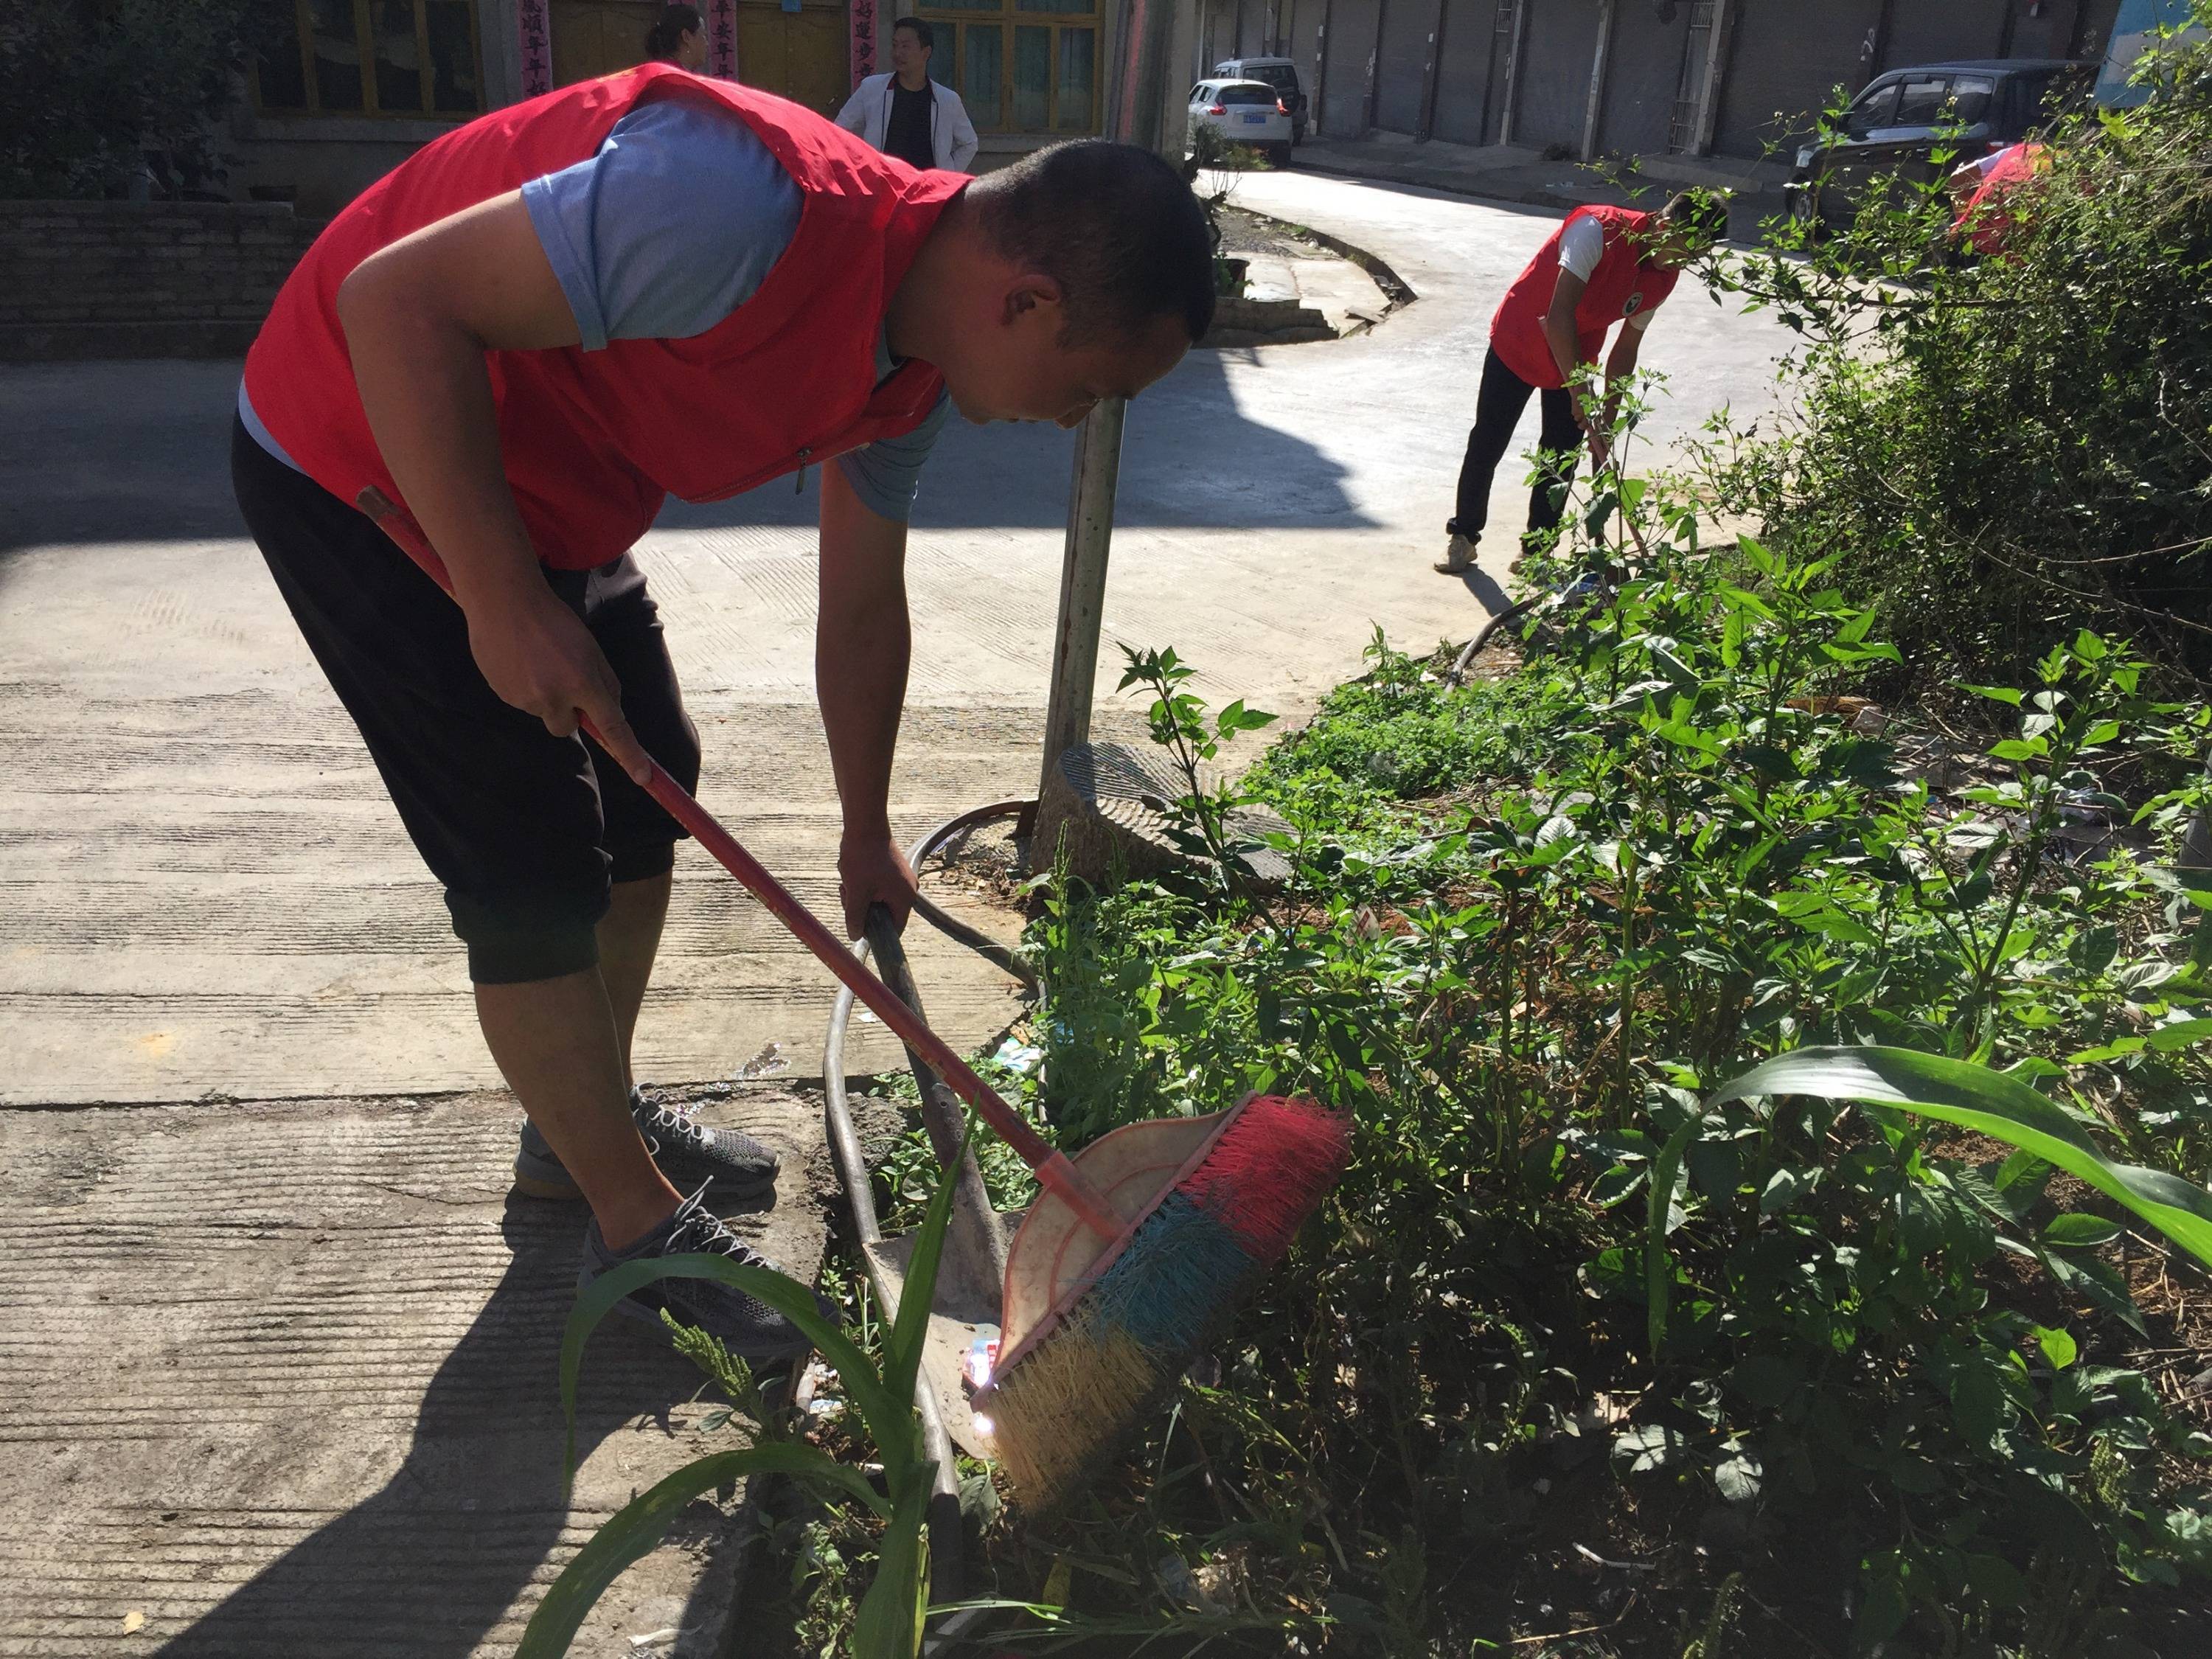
(734, 1167)
(751, 1330)
(1459, 557)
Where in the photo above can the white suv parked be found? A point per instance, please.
(1281, 73)
(1244, 113)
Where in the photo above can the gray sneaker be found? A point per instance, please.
(735, 1167)
(751, 1330)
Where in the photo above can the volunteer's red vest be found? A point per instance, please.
(1621, 285)
(593, 442)
(1985, 219)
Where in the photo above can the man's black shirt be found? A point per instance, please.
(907, 134)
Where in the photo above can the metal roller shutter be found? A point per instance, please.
(1468, 79)
(1351, 43)
(1555, 79)
(1957, 29)
(1642, 75)
(1784, 57)
(1401, 75)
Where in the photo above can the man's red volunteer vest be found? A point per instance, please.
(1621, 285)
(593, 442)
(1985, 219)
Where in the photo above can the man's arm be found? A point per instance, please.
(964, 141)
(1559, 334)
(854, 118)
(861, 643)
(1619, 364)
(418, 317)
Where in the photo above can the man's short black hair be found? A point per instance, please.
(924, 36)
(1703, 214)
(1115, 226)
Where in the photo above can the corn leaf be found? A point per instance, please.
(645, 1520)
(888, 1624)
(2004, 1108)
(885, 1413)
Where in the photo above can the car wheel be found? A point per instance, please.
(1805, 208)
(1279, 155)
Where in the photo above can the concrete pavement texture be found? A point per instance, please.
(281, 1382)
(1515, 172)
(268, 1326)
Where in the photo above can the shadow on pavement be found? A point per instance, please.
(108, 451)
(428, 1566)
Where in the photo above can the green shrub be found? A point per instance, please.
(1997, 452)
(87, 86)
(1867, 1360)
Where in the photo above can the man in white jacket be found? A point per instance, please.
(905, 113)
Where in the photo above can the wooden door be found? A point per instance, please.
(598, 37)
(799, 55)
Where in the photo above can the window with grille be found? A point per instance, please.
(375, 58)
(1019, 65)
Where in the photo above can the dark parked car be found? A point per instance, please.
(1903, 118)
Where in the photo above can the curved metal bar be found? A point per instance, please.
(947, 1572)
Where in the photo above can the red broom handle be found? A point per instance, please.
(1052, 1167)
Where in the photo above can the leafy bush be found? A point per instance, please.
(1854, 1359)
(87, 86)
(2000, 452)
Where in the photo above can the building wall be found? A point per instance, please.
(1470, 77)
(130, 279)
(1301, 25)
(325, 160)
(1642, 74)
(1402, 72)
(1554, 92)
(1350, 50)
(1957, 29)
(1780, 61)
(1784, 56)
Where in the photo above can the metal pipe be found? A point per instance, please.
(947, 1533)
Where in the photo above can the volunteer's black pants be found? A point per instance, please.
(1497, 408)
(526, 830)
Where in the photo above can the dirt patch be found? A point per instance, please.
(1248, 233)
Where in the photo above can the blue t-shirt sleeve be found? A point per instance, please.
(886, 473)
(669, 229)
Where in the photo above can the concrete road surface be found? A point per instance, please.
(279, 1371)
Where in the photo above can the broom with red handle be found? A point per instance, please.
(1135, 1250)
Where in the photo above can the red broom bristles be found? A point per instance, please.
(1062, 1405)
(1270, 1171)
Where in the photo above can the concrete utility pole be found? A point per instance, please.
(1320, 70)
(1141, 120)
(1600, 59)
(1709, 96)
(1431, 72)
(1083, 583)
(1374, 68)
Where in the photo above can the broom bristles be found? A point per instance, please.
(1270, 1172)
(1129, 1336)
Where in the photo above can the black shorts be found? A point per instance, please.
(524, 828)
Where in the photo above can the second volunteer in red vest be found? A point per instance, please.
(529, 334)
(1602, 266)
